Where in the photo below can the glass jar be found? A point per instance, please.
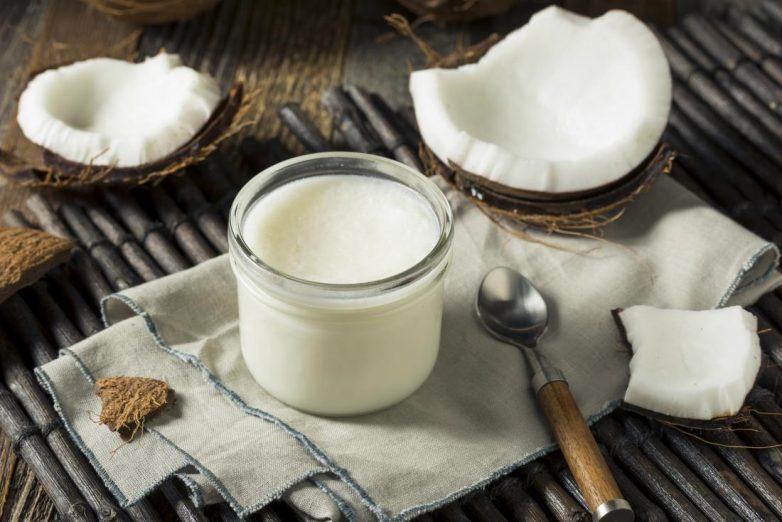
(339, 349)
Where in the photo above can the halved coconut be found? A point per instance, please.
(691, 364)
(111, 120)
(559, 109)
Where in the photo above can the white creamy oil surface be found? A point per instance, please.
(341, 229)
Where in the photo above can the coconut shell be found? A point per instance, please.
(457, 10)
(660, 160)
(57, 171)
(26, 255)
(584, 211)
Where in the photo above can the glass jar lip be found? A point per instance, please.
(384, 167)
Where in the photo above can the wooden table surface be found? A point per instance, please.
(284, 50)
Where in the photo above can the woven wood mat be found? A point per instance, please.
(726, 122)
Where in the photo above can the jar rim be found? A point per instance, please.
(345, 163)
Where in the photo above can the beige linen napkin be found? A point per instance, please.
(473, 420)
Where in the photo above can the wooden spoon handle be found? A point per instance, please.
(583, 457)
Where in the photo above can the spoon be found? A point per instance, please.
(513, 311)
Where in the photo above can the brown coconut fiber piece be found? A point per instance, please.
(129, 401)
(26, 255)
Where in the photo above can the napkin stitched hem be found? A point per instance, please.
(318, 454)
(342, 505)
(196, 495)
(746, 267)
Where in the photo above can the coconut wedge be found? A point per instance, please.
(26, 255)
(562, 108)
(111, 121)
(690, 364)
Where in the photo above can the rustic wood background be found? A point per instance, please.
(287, 50)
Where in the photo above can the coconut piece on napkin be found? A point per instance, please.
(691, 364)
(26, 255)
(129, 401)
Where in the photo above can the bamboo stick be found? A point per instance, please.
(719, 101)
(747, 467)
(303, 128)
(203, 213)
(262, 155)
(743, 96)
(714, 472)
(691, 141)
(83, 316)
(451, 513)
(348, 120)
(720, 193)
(23, 385)
(147, 232)
(386, 130)
(562, 506)
(210, 178)
(19, 319)
(767, 411)
(222, 173)
(84, 265)
(748, 25)
(119, 274)
(515, 502)
(774, 11)
(767, 451)
(745, 71)
(610, 433)
(62, 330)
(130, 250)
(677, 472)
(183, 506)
(727, 138)
(479, 508)
(30, 446)
(179, 225)
(772, 65)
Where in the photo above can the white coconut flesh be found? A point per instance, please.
(112, 112)
(691, 364)
(564, 104)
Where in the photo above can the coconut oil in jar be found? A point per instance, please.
(340, 260)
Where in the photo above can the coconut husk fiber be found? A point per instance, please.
(129, 401)
(26, 255)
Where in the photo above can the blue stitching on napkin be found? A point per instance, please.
(318, 454)
(196, 495)
(746, 267)
(343, 506)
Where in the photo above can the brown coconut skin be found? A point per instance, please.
(605, 197)
(457, 10)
